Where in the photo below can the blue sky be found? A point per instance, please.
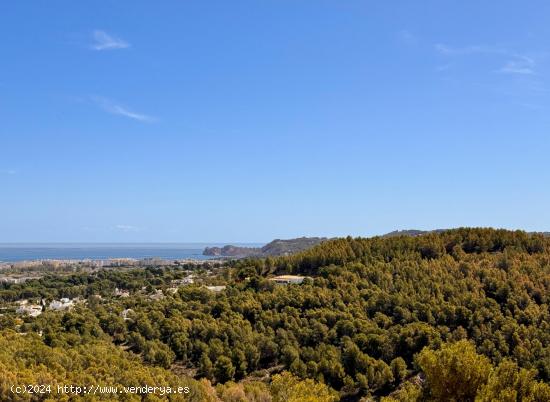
(253, 120)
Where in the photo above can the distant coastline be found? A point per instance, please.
(18, 252)
(31, 252)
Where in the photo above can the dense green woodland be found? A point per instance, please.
(461, 315)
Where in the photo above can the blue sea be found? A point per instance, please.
(98, 251)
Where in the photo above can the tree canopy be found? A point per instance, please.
(459, 315)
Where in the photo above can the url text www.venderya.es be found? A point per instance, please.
(41, 389)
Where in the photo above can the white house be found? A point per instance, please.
(288, 279)
(125, 313)
(215, 288)
(121, 293)
(63, 304)
(156, 295)
(34, 310)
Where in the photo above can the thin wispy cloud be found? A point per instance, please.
(127, 228)
(104, 41)
(516, 63)
(115, 108)
(8, 171)
(450, 50)
(520, 65)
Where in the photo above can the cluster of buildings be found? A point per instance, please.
(176, 283)
(34, 310)
(157, 294)
(16, 279)
(188, 280)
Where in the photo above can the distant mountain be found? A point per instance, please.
(277, 247)
(232, 251)
(280, 247)
(286, 247)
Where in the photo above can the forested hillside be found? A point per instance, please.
(459, 315)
